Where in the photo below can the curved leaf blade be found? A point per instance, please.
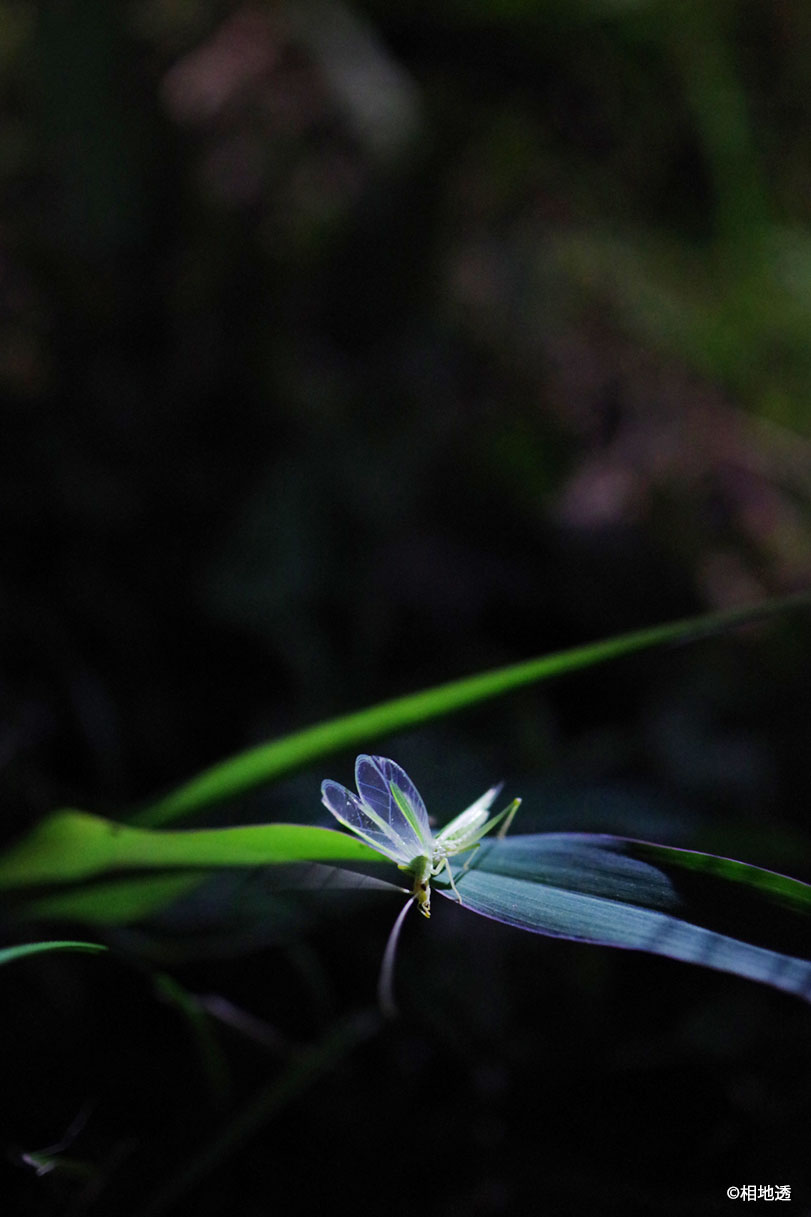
(70, 846)
(23, 950)
(267, 762)
(612, 891)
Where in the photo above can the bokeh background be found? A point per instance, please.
(350, 348)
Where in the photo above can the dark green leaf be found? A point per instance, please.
(73, 845)
(616, 892)
(9, 954)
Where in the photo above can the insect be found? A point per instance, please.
(388, 813)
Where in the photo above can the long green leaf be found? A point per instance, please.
(270, 761)
(10, 954)
(617, 892)
(73, 845)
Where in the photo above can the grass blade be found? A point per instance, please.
(611, 891)
(70, 846)
(267, 762)
(10, 954)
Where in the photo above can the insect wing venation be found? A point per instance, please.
(349, 811)
(402, 811)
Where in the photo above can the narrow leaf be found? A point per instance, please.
(617, 892)
(270, 761)
(74, 845)
(9, 954)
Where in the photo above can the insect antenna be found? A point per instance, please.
(385, 986)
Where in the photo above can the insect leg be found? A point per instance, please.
(447, 866)
(470, 859)
(505, 827)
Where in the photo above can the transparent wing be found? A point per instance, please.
(466, 825)
(391, 799)
(349, 811)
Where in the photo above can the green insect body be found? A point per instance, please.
(388, 813)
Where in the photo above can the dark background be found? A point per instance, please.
(344, 351)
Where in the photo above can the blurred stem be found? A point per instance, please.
(305, 1068)
(718, 101)
(197, 1017)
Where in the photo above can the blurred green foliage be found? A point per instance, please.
(337, 343)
